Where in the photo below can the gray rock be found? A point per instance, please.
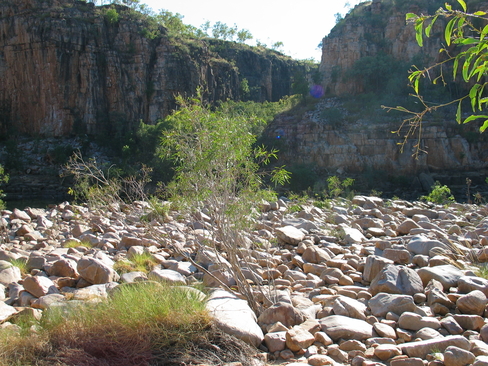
(423, 348)
(338, 326)
(481, 361)
(281, 312)
(95, 271)
(166, 275)
(412, 321)
(383, 303)
(374, 264)
(455, 356)
(290, 235)
(447, 274)
(469, 283)
(396, 280)
(472, 303)
(6, 311)
(419, 244)
(9, 273)
(39, 286)
(234, 316)
(349, 307)
(275, 341)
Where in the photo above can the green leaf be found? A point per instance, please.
(463, 4)
(411, 16)
(418, 32)
(484, 126)
(449, 29)
(429, 27)
(458, 113)
(473, 95)
(448, 7)
(416, 85)
(474, 117)
(480, 13)
(455, 67)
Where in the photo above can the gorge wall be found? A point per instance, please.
(66, 68)
(365, 58)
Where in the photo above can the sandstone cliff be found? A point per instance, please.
(365, 145)
(371, 29)
(332, 139)
(65, 68)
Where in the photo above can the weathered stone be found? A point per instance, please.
(9, 273)
(396, 280)
(467, 284)
(383, 303)
(469, 322)
(455, 356)
(39, 286)
(281, 312)
(422, 348)
(96, 271)
(298, 338)
(447, 274)
(234, 316)
(386, 351)
(338, 326)
(290, 235)
(275, 341)
(166, 275)
(384, 330)
(63, 268)
(416, 322)
(374, 264)
(421, 245)
(405, 227)
(472, 303)
(6, 311)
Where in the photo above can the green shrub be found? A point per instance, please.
(112, 16)
(439, 194)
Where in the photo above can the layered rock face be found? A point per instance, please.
(66, 68)
(372, 28)
(358, 146)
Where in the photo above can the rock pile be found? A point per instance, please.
(365, 282)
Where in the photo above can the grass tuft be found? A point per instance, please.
(134, 326)
(143, 262)
(21, 264)
(75, 244)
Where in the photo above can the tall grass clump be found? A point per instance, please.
(136, 325)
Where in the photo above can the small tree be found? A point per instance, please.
(218, 171)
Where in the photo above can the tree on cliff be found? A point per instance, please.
(466, 56)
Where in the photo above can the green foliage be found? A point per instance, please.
(465, 52)
(336, 187)
(439, 194)
(141, 262)
(218, 168)
(139, 324)
(112, 16)
(3, 179)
